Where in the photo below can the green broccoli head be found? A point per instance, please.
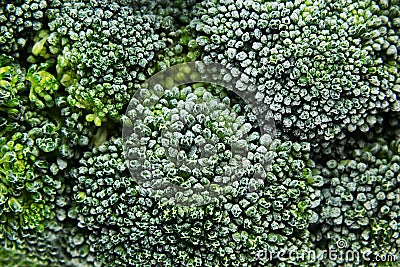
(360, 195)
(322, 73)
(74, 193)
(35, 147)
(19, 19)
(122, 225)
(111, 50)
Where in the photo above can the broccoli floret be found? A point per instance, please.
(111, 51)
(15, 258)
(197, 181)
(360, 192)
(19, 19)
(322, 75)
(35, 147)
(122, 225)
(196, 137)
(29, 183)
(12, 83)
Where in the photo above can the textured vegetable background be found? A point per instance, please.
(327, 70)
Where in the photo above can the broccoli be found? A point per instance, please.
(197, 182)
(109, 51)
(122, 226)
(360, 194)
(36, 146)
(18, 20)
(29, 182)
(15, 258)
(328, 67)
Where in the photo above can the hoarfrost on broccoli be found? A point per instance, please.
(327, 69)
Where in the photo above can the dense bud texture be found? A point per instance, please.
(111, 50)
(115, 214)
(360, 195)
(202, 178)
(18, 19)
(323, 74)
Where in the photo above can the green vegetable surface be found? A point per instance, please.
(327, 70)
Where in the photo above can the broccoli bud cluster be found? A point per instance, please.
(110, 52)
(323, 77)
(195, 139)
(199, 176)
(35, 148)
(121, 224)
(360, 196)
(18, 19)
